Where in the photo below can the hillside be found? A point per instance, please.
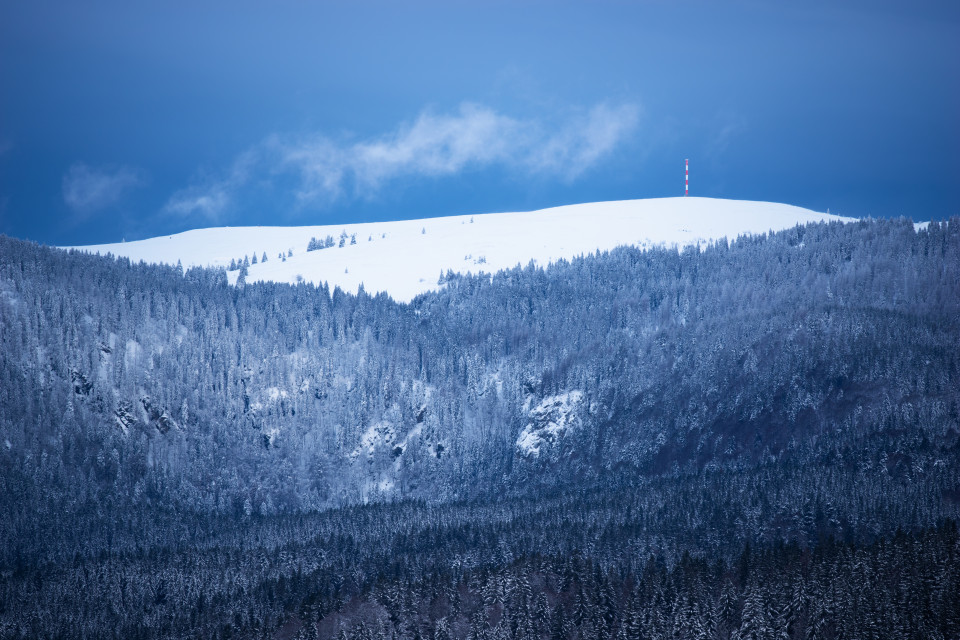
(714, 435)
(406, 258)
(658, 361)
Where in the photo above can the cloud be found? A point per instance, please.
(584, 141)
(210, 200)
(89, 189)
(432, 146)
(438, 145)
(319, 169)
(320, 164)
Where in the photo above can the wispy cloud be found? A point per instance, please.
(210, 199)
(437, 145)
(89, 189)
(207, 202)
(584, 140)
(434, 145)
(320, 169)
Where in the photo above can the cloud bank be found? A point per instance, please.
(321, 170)
(89, 189)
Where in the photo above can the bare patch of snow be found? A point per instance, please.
(380, 433)
(275, 393)
(132, 353)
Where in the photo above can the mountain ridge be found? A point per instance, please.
(405, 258)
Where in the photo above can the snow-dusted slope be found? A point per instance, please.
(405, 258)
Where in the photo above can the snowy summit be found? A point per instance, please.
(406, 258)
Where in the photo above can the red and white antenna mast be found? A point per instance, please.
(686, 182)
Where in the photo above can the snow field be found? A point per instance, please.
(405, 258)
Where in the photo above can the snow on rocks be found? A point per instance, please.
(550, 421)
(378, 434)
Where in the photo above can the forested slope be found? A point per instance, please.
(785, 389)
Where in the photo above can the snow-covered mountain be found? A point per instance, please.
(405, 258)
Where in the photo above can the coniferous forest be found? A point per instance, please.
(755, 439)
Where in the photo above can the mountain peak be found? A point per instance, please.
(405, 258)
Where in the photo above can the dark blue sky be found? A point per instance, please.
(127, 119)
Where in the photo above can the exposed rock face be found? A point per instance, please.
(124, 415)
(550, 422)
(158, 416)
(81, 385)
